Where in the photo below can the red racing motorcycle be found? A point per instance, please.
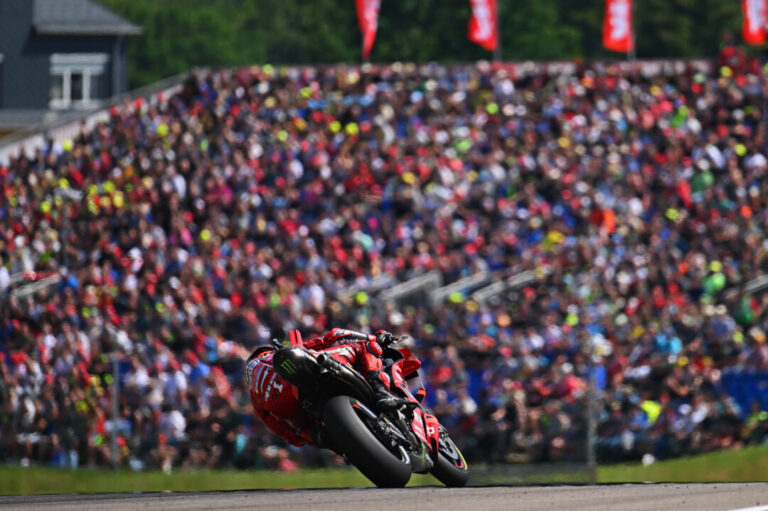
(387, 446)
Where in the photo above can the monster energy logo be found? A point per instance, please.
(288, 366)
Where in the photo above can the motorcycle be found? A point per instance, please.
(387, 446)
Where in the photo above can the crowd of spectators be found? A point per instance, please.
(186, 230)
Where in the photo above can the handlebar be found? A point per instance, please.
(392, 340)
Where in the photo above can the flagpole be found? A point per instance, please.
(497, 50)
(631, 53)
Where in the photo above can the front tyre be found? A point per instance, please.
(450, 467)
(349, 434)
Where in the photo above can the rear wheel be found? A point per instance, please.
(346, 424)
(450, 467)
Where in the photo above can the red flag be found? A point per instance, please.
(482, 24)
(755, 18)
(368, 20)
(617, 26)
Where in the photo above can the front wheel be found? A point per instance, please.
(346, 422)
(450, 467)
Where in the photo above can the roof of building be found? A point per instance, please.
(78, 17)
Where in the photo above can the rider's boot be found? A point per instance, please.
(384, 398)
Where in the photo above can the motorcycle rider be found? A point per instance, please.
(276, 402)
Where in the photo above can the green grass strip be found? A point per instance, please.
(723, 466)
(40, 480)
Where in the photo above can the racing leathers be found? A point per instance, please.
(276, 402)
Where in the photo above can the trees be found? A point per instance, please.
(179, 34)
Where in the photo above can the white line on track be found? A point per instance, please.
(756, 508)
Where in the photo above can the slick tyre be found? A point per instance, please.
(450, 467)
(349, 435)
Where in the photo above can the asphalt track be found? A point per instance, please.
(657, 497)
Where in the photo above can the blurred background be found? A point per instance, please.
(244, 32)
(562, 202)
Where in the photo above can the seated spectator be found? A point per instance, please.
(185, 229)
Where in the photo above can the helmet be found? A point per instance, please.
(258, 351)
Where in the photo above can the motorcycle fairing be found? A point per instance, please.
(433, 432)
(410, 364)
(417, 425)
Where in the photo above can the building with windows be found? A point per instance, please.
(57, 56)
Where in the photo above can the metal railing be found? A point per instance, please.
(421, 284)
(755, 285)
(437, 296)
(502, 286)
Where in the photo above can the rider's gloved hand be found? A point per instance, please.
(384, 338)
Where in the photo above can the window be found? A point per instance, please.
(76, 86)
(98, 86)
(57, 88)
(77, 79)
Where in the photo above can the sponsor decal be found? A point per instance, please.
(418, 426)
(274, 384)
(262, 376)
(288, 366)
(249, 371)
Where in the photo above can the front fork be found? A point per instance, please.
(424, 426)
(393, 430)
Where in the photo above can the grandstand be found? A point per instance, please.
(529, 225)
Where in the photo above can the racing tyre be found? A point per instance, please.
(450, 467)
(345, 424)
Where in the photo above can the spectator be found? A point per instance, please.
(185, 230)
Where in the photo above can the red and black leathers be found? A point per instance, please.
(276, 402)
